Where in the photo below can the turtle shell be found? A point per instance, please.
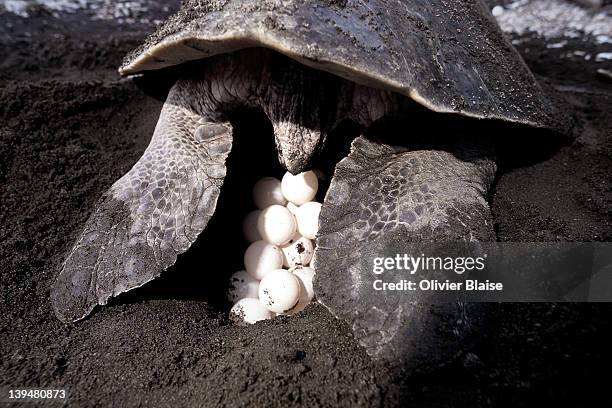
(448, 55)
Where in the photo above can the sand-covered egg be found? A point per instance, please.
(279, 291)
(267, 191)
(242, 285)
(250, 310)
(307, 216)
(276, 224)
(298, 251)
(261, 258)
(300, 188)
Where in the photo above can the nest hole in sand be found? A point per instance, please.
(203, 272)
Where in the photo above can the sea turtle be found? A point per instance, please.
(310, 66)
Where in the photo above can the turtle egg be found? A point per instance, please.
(249, 310)
(249, 227)
(305, 276)
(292, 207)
(261, 258)
(308, 219)
(279, 291)
(298, 251)
(276, 224)
(267, 191)
(300, 188)
(242, 285)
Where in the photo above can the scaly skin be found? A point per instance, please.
(386, 200)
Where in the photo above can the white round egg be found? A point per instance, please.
(249, 226)
(242, 285)
(267, 191)
(261, 258)
(292, 207)
(305, 276)
(249, 310)
(279, 291)
(307, 217)
(276, 224)
(300, 188)
(298, 251)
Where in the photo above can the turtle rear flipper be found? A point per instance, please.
(386, 201)
(152, 213)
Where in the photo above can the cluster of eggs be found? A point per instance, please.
(277, 278)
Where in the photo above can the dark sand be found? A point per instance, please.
(69, 127)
